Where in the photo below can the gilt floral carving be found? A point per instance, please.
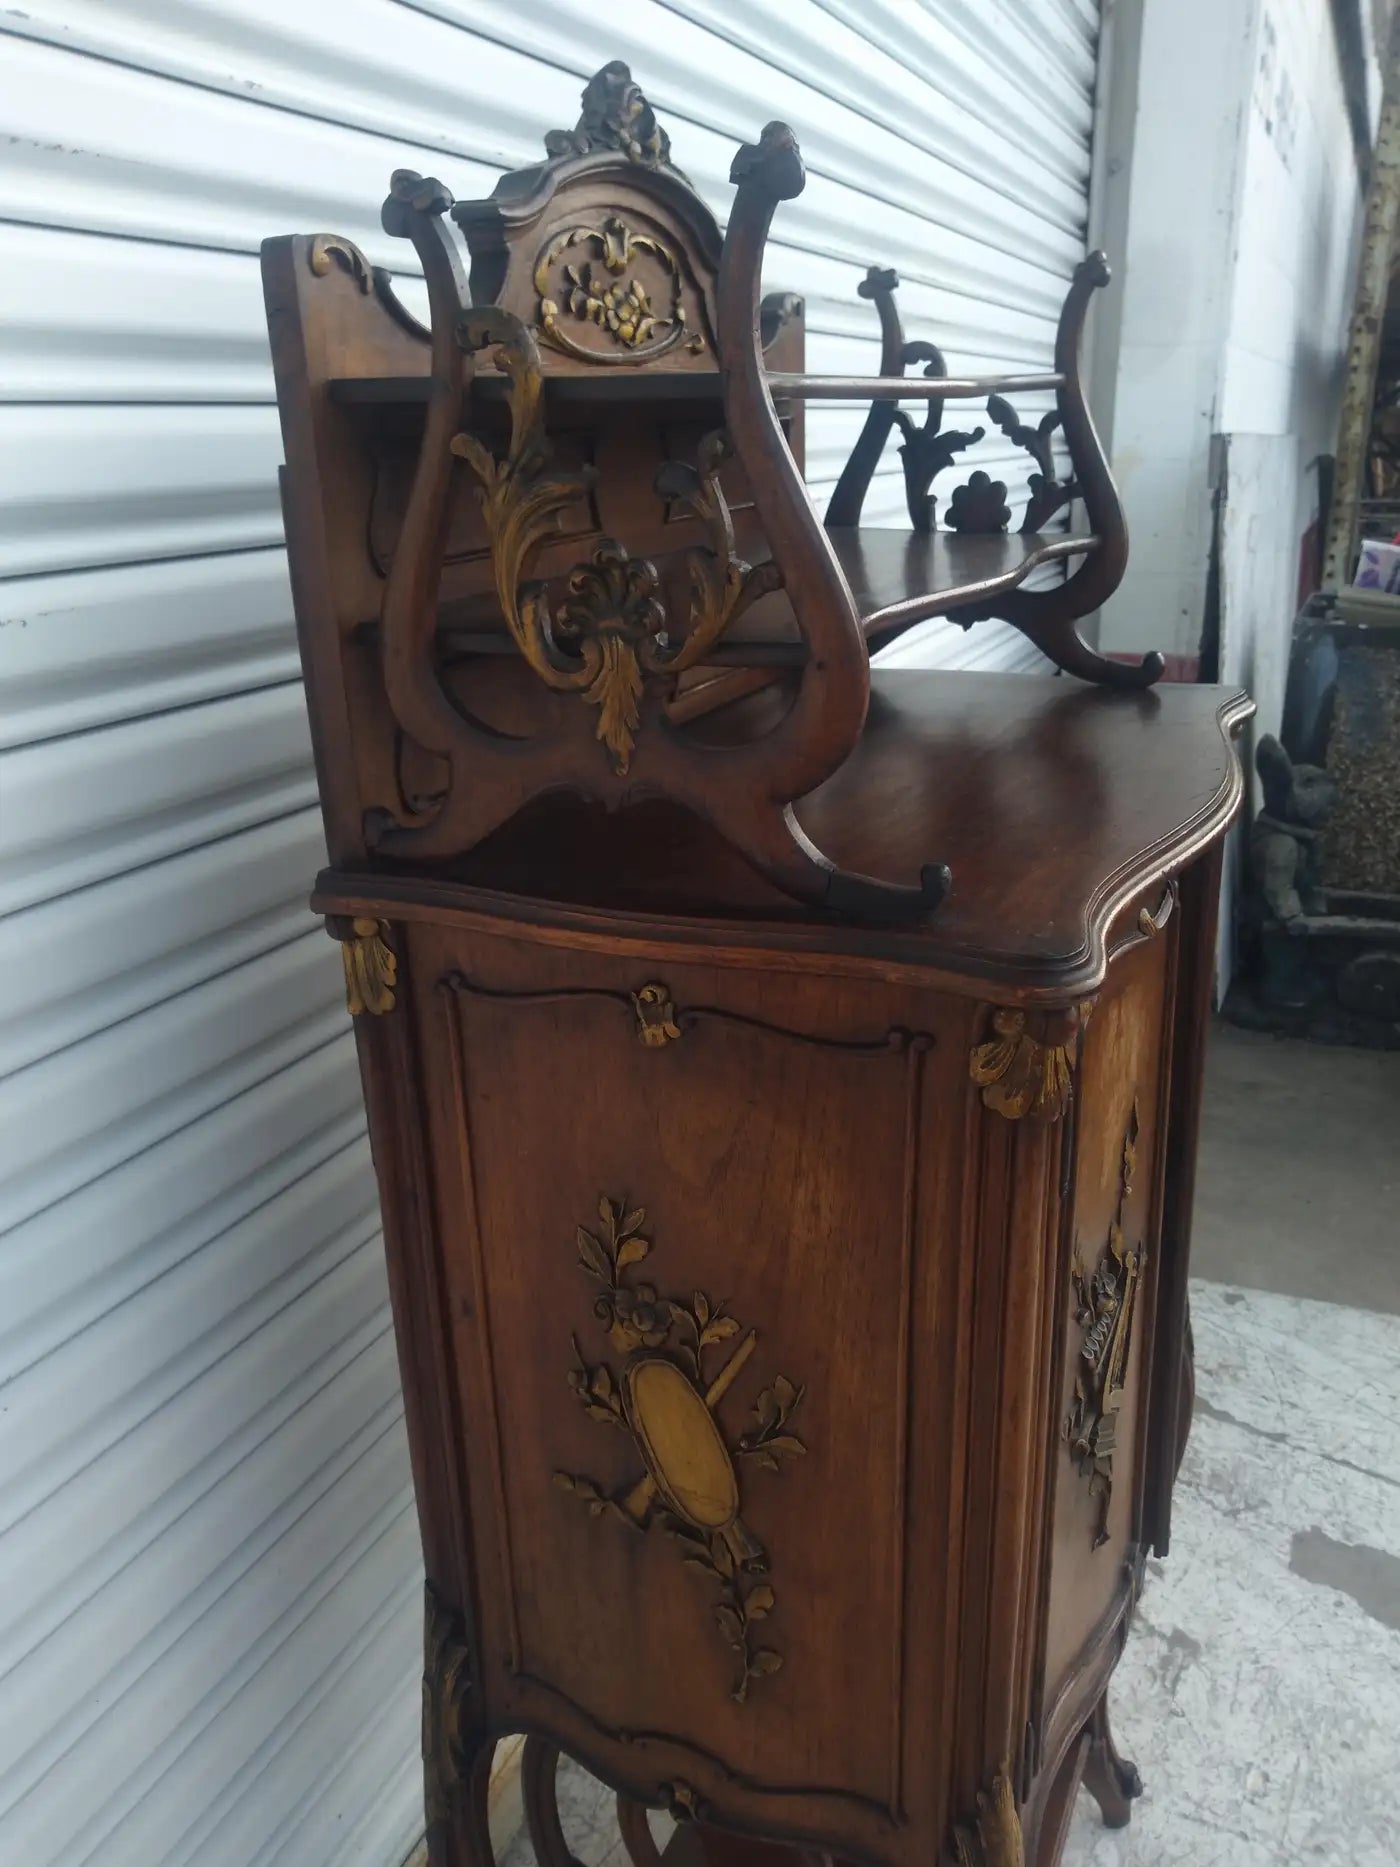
(1105, 1301)
(599, 290)
(611, 634)
(674, 1372)
(1024, 1074)
(371, 968)
(993, 1837)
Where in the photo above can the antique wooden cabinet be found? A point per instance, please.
(783, 1077)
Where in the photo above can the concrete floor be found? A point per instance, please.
(1260, 1690)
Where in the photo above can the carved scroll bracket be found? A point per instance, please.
(1048, 493)
(1022, 1073)
(328, 249)
(447, 1681)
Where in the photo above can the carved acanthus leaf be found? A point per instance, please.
(1021, 1074)
(447, 1681)
(993, 1838)
(611, 633)
(371, 969)
(1047, 493)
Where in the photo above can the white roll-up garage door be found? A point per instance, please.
(209, 1588)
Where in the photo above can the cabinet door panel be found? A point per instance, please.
(683, 1275)
(1107, 1309)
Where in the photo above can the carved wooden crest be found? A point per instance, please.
(615, 116)
(675, 1370)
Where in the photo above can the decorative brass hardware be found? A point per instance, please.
(1023, 1075)
(447, 1678)
(615, 116)
(656, 1016)
(611, 635)
(1104, 1311)
(666, 1398)
(622, 308)
(371, 969)
(993, 1838)
(1150, 924)
(328, 247)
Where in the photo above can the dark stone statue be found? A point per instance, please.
(1285, 843)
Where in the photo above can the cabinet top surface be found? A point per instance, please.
(1052, 804)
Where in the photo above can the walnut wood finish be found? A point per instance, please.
(789, 1283)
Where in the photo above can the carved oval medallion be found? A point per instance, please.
(688, 1460)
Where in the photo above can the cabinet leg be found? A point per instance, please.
(459, 1827)
(1111, 1780)
(539, 1766)
(1186, 1402)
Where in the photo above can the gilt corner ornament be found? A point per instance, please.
(1021, 1074)
(993, 1838)
(371, 968)
(656, 1016)
(615, 116)
(447, 1680)
(665, 1396)
(1104, 1303)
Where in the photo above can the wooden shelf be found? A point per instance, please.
(900, 577)
(897, 577)
(1097, 794)
(591, 389)
(627, 385)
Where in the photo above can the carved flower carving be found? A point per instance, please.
(639, 1315)
(623, 309)
(979, 505)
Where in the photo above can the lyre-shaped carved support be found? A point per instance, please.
(1048, 617)
(611, 643)
(979, 504)
(824, 722)
(927, 448)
